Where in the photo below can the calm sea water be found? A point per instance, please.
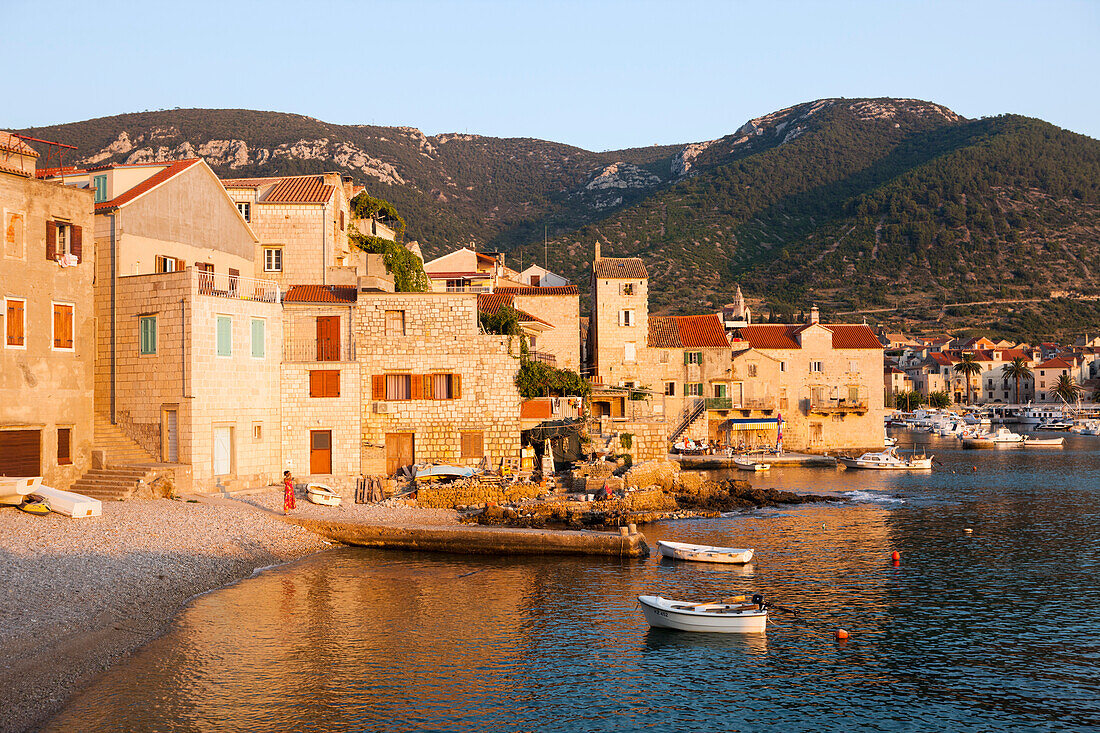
(989, 630)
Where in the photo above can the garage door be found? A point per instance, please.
(20, 452)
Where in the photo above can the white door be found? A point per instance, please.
(223, 450)
(171, 436)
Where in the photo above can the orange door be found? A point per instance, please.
(328, 338)
(320, 451)
(400, 451)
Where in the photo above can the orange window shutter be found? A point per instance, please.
(51, 240)
(429, 386)
(333, 384)
(316, 384)
(417, 387)
(378, 387)
(15, 323)
(67, 332)
(75, 243)
(456, 386)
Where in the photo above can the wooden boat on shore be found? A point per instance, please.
(885, 461)
(735, 617)
(747, 464)
(70, 503)
(703, 553)
(14, 490)
(323, 495)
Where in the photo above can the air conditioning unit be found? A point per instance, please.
(381, 408)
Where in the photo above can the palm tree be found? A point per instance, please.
(1067, 388)
(968, 367)
(1017, 369)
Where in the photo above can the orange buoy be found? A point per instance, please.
(841, 634)
(896, 556)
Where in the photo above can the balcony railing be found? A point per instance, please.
(838, 405)
(758, 403)
(320, 350)
(237, 287)
(543, 356)
(719, 403)
(468, 289)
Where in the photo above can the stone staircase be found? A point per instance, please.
(125, 465)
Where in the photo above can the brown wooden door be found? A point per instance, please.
(400, 451)
(320, 451)
(328, 338)
(20, 452)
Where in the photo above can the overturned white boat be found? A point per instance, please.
(734, 617)
(70, 503)
(323, 495)
(703, 553)
(14, 490)
(886, 460)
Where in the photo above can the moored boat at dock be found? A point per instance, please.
(886, 460)
(1001, 436)
(745, 463)
(703, 553)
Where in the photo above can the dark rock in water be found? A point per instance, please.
(732, 495)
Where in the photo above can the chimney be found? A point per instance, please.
(597, 249)
(815, 315)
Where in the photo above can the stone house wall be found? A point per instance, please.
(563, 311)
(43, 388)
(609, 339)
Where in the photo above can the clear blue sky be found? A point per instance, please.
(600, 75)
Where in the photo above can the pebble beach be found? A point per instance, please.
(76, 595)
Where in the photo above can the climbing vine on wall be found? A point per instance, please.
(406, 268)
(536, 379)
(365, 206)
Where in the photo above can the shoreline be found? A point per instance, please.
(79, 595)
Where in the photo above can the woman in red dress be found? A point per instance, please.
(288, 492)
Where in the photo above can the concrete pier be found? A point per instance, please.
(478, 540)
(715, 462)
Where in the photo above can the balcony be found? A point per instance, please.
(833, 406)
(757, 403)
(543, 356)
(719, 403)
(236, 287)
(312, 349)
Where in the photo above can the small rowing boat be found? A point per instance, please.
(703, 553)
(885, 460)
(747, 464)
(733, 617)
(323, 495)
(14, 490)
(1030, 442)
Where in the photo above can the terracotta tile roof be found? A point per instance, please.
(13, 144)
(941, 358)
(621, 267)
(492, 302)
(299, 190)
(549, 290)
(320, 294)
(783, 336)
(249, 182)
(63, 170)
(1056, 363)
(689, 332)
(170, 170)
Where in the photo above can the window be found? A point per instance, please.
(752, 370)
(626, 318)
(395, 323)
(853, 393)
(853, 365)
(627, 289)
(439, 387)
(168, 264)
(398, 386)
(720, 390)
(630, 351)
(225, 336)
(63, 326)
(148, 335)
(245, 208)
(62, 241)
(782, 366)
(64, 446)
(473, 444)
(273, 259)
(536, 280)
(259, 336)
(257, 431)
(14, 235)
(15, 323)
(694, 389)
(206, 277)
(693, 357)
(341, 221)
(324, 383)
(670, 389)
(100, 183)
(815, 366)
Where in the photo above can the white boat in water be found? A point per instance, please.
(1001, 436)
(1089, 427)
(323, 495)
(14, 490)
(1054, 423)
(1036, 415)
(703, 553)
(721, 618)
(886, 460)
(747, 464)
(1033, 442)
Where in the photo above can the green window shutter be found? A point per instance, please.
(258, 332)
(225, 336)
(149, 334)
(686, 357)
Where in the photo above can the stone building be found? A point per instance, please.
(618, 326)
(47, 321)
(302, 223)
(468, 271)
(558, 306)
